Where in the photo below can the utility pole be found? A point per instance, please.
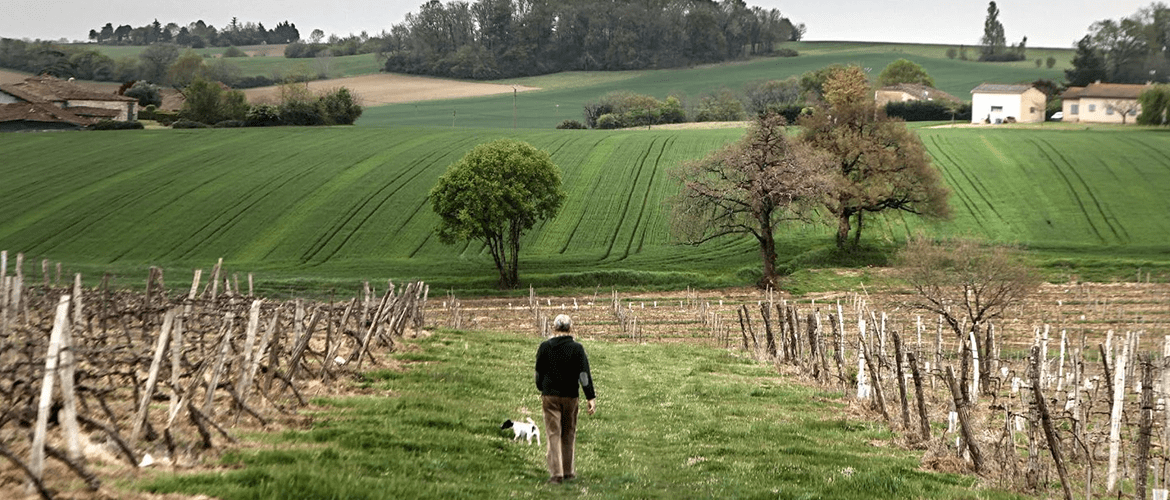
(514, 92)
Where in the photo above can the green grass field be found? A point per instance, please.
(563, 95)
(673, 421)
(324, 207)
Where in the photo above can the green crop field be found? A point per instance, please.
(311, 208)
(563, 95)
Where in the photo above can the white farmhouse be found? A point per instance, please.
(1000, 103)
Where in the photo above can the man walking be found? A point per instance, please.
(561, 364)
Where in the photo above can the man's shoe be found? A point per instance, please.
(570, 477)
(555, 480)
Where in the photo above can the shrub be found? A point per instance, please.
(785, 53)
(608, 121)
(1050, 62)
(234, 52)
(339, 107)
(185, 123)
(723, 106)
(116, 125)
(952, 53)
(147, 93)
(263, 115)
(919, 111)
(249, 82)
(230, 124)
(571, 124)
(304, 113)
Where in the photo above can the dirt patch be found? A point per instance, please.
(376, 90)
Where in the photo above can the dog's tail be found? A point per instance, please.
(530, 420)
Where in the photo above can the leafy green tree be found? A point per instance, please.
(878, 163)
(207, 102)
(1155, 103)
(904, 71)
(994, 41)
(185, 69)
(750, 188)
(1088, 65)
(494, 194)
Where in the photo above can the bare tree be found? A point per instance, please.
(1125, 107)
(966, 283)
(750, 188)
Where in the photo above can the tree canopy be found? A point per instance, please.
(904, 71)
(878, 163)
(749, 188)
(490, 39)
(494, 194)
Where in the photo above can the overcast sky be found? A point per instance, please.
(1046, 24)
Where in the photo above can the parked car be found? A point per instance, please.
(1057, 116)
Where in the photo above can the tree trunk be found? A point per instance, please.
(768, 253)
(857, 230)
(843, 229)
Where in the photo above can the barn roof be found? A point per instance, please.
(49, 89)
(40, 112)
(1001, 88)
(919, 91)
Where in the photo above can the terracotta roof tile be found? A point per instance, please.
(920, 91)
(1113, 90)
(40, 112)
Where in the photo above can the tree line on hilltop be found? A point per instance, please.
(491, 39)
(196, 35)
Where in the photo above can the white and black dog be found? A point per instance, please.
(523, 430)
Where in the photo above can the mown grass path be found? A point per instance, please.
(673, 421)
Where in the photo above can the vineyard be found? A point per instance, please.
(1073, 400)
(97, 375)
(100, 376)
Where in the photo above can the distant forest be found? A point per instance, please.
(196, 35)
(491, 39)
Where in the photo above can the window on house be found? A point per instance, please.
(1092, 108)
(997, 109)
(1109, 110)
(1132, 112)
(1074, 109)
(1032, 109)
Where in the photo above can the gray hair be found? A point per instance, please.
(562, 323)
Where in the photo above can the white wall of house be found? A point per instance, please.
(1100, 110)
(996, 108)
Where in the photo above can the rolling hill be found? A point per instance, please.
(307, 208)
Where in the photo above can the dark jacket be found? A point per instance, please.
(561, 364)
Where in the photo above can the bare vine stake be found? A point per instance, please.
(68, 415)
(152, 379)
(1145, 428)
(964, 421)
(1115, 415)
(224, 345)
(770, 340)
(1046, 422)
(194, 284)
(251, 358)
(901, 380)
(923, 422)
(36, 461)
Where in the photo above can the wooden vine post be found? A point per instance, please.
(964, 421)
(1046, 423)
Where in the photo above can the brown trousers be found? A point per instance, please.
(560, 426)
